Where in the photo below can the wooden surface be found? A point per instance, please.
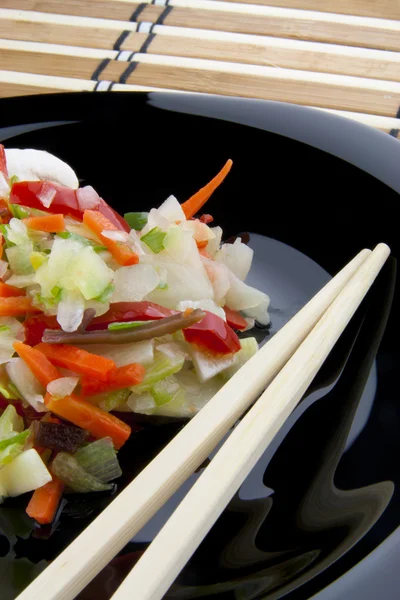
(337, 55)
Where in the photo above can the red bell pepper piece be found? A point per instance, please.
(65, 201)
(235, 319)
(213, 334)
(3, 162)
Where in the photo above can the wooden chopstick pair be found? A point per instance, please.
(300, 347)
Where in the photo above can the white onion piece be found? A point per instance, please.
(207, 366)
(133, 283)
(171, 209)
(64, 386)
(87, 198)
(134, 243)
(243, 297)
(206, 304)
(237, 257)
(47, 194)
(4, 187)
(175, 350)
(70, 311)
(250, 323)
(116, 236)
(3, 268)
(124, 354)
(214, 244)
(21, 281)
(155, 219)
(27, 384)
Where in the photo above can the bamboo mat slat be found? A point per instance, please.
(340, 56)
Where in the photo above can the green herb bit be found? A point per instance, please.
(136, 220)
(19, 212)
(4, 328)
(13, 179)
(105, 294)
(154, 239)
(163, 286)
(125, 325)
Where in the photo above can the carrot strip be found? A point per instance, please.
(48, 223)
(17, 307)
(38, 363)
(45, 500)
(122, 378)
(9, 291)
(77, 360)
(194, 204)
(98, 223)
(90, 417)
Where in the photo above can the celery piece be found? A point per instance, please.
(66, 467)
(163, 366)
(99, 459)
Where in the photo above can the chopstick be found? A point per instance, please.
(76, 566)
(194, 517)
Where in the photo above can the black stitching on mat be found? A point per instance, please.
(395, 132)
(121, 39)
(100, 69)
(147, 43)
(163, 15)
(137, 11)
(132, 66)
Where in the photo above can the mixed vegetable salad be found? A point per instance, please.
(102, 314)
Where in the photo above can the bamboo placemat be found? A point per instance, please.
(336, 55)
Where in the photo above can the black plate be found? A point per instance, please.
(313, 189)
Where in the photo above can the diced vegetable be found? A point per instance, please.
(109, 401)
(132, 284)
(25, 473)
(99, 459)
(77, 360)
(45, 500)
(197, 201)
(209, 365)
(162, 367)
(208, 305)
(90, 417)
(136, 220)
(154, 239)
(235, 319)
(11, 447)
(50, 223)
(8, 291)
(10, 330)
(249, 347)
(59, 436)
(171, 209)
(38, 363)
(10, 423)
(213, 335)
(31, 390)
(125, 354)
(68, 470)
(63, 386)
(167, 390)
(237, 257)
(17, 307)
(65, 202)
(123, 377)
(18, 258)
(34, 327)
(120, 251)
(248, 299)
